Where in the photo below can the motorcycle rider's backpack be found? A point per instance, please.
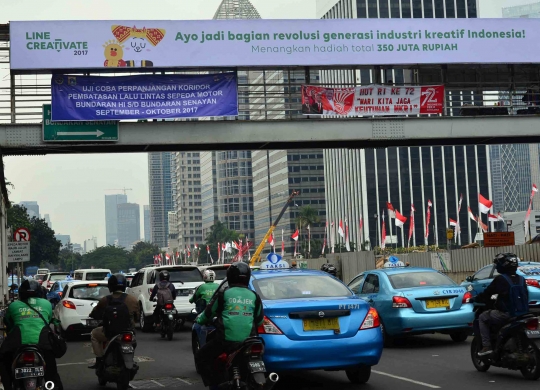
(517, 302)
(116, 318)
(164, 293)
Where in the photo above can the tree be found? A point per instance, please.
(219, 233)
(44, 247)
(109, 256)
(308, 216)
(69, 260)
(142, 254)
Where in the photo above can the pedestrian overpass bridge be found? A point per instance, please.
(20, 138)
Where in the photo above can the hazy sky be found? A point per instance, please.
(71, 188)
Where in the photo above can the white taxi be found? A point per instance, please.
(78, 300)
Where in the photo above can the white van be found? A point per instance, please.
(91, 274)
(42, 271)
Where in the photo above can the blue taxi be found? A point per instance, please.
(528, 269)
(413, 300)
(312, 321)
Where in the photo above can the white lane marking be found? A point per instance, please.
(183, 380)
(406, 379)
(133, 386)
(157, 383)
(70, 364)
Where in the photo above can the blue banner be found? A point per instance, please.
(93, 98)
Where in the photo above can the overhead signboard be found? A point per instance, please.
(499, 239)
(79, 131)
(18, 251)
(372, 100)
(81, 98)
(88, 44)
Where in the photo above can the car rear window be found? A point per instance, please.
(530, 270)
(89, 291)
(39, 277)
(221, 273)
(419, 279)
(184, 275)
(300, 286)
(55, 277)
(96, 275)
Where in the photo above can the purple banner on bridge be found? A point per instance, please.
(93, 98)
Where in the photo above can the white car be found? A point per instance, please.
(78, 300)
(144, 281)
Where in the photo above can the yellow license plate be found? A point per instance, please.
(321, 324)
(437, 303)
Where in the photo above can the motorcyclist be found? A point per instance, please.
(235, 321)
(329, 268)
(506, 264)
(24, 326)
(163, 283)
(205, 291)
(117, 287)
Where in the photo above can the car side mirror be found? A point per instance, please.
(469, 278)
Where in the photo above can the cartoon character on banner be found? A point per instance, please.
(139, 42)
(114, 51)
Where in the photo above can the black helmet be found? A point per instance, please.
(29, 289)
(164, 275)
(238, 273)
(506, 263)
(330, 268)
(117, 282)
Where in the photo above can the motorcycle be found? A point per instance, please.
(118, 359)
(28, 369)
(515, 345)
(168, 321)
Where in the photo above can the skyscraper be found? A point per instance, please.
(360, 182)
(129, 224)
(111, 216)
(208, 191)
(162, 187)
(65, 239)
(147, 228)
(236, 9)
(47, 219)
(32, 208)
(90, 244)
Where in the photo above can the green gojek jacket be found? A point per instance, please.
(239, 311)
(204, 291)
(27, 320)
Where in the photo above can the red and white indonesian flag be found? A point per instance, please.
(499, 217)
(493, 218)
(347, 243)
(400, 219)
(452, 222)
(168, 258)
(208, 249)
(411, 224)
(483, 226)
(428, 217)
(484, 204)
(372, 100)
(295, 235)
(383, 241)
(472, 216)
(391, 210)
(341, 231)
(282, 244)
(271, 239)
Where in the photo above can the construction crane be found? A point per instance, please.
(257, 255)
(121, 189)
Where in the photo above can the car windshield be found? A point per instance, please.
(39, 277)
(530, 270)
(89, 291)
(419, 279)
(184, 275)
(300, 286)
(96, 275)
(56, 277)
(221, 273)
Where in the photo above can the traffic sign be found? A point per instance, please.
(95, 131)
(21, 234)
(449, 234)
(18, 252)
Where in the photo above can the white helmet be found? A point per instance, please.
(209, 275)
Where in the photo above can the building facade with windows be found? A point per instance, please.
(360, 182)
(129, 224)
(111, 216)
(147, 228)
(162, 188)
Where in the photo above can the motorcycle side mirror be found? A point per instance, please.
(469, 278)
(194, 312)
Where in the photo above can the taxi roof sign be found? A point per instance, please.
(393, 262)
(274, 261)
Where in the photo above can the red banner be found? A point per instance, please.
(372, 100)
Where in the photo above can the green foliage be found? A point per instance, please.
(44, 247)
(68, 260)
(307, 216)
(109, 256)
(142, 254)
(218, 233)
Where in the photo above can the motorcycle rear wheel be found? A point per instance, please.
(123, 380)
(480, 364)
(102, 381)
(532, 372)
(170, 331)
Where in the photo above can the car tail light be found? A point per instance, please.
(28, 357)
(255, 349)
(467, 297)
(92, 285)
(532, 324)
(150, 291)
(532, 283)
(60, 293)
(222, 358)
(268, 327)
(372, 320)
(69, 305)
(401, 302)
(168, 306)
(127, 338)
